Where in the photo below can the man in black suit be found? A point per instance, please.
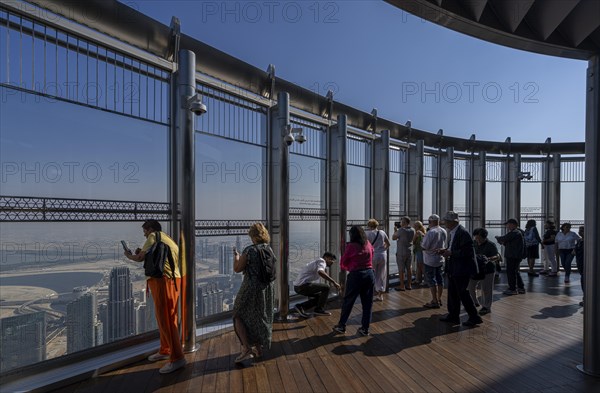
(460, 265)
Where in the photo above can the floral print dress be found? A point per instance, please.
(254, 302)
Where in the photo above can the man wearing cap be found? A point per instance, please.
(460, 266)
(434, 240)
(514, 246)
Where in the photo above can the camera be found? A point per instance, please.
(300, 139)
(397, 224)
(195, 105)
(288, 139)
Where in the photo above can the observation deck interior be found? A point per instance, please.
(528, 343)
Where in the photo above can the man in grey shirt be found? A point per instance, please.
(434, 240)
(403, 235)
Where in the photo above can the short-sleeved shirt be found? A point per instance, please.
(404, 240)
(310, 272)
(434, 239)
(486, 248)
(379, 243)
(547, 238)
(566, 241)
(151, 239)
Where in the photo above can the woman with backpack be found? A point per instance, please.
(532, 246)
(254, 302)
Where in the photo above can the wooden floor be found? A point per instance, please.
(530, 343)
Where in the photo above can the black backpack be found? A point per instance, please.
(154, 261)
(267, 268)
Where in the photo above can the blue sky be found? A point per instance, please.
(374, 55)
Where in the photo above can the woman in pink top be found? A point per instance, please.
(358, 261)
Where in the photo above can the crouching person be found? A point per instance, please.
(307, 284)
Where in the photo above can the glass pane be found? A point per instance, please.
(493, 201)
(230, 179)
(358, 194)
(305, 246)
(572, 206)
(428, 197)
(70, 151)
(68, 273)
(307, 185)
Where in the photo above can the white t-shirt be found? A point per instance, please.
(310, 272)
(434, 238)
(379, 244)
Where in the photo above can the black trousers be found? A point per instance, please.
(457, 294)
(513, 274)
(317, 294)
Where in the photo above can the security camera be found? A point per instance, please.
(300, 139)
(195, 105)
(288, 139)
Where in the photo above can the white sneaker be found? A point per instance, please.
(157, 356)
(172, 366)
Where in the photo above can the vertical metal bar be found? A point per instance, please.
(7, 49)
(56, 61)
(67, 61)
(591, 316)
(123, 86)
(185, 162)
(115, 84)
(45, 42)
(33, 56)
(86, 89)
(20, 51)
(146, 78)
(97, 74)
(139, 88)
(77, 70)
(106, 78)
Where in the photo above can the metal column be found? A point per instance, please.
(591, 316)
(445, 182)
(279, 189)
(381, 179)
(551, 188)
(336, 191)
(414, 180)
(476, 189)
(183, 193)
(555, 189)
(511, 188)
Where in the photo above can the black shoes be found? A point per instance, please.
(449, 319)
(300, 311)
(471, 322)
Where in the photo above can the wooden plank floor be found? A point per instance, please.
(529, 343)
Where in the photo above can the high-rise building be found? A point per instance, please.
(225, 259)
(22, 340)
(103, 320)
(81, 321)
(121, 313)
(209, 299)
(151, 323)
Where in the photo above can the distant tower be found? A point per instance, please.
(81, 320)
(23, 340)
(225, 259)
(151, 323)
(103, 320)
(121, 316)
(209, 299)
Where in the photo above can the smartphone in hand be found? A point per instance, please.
(125, 248)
